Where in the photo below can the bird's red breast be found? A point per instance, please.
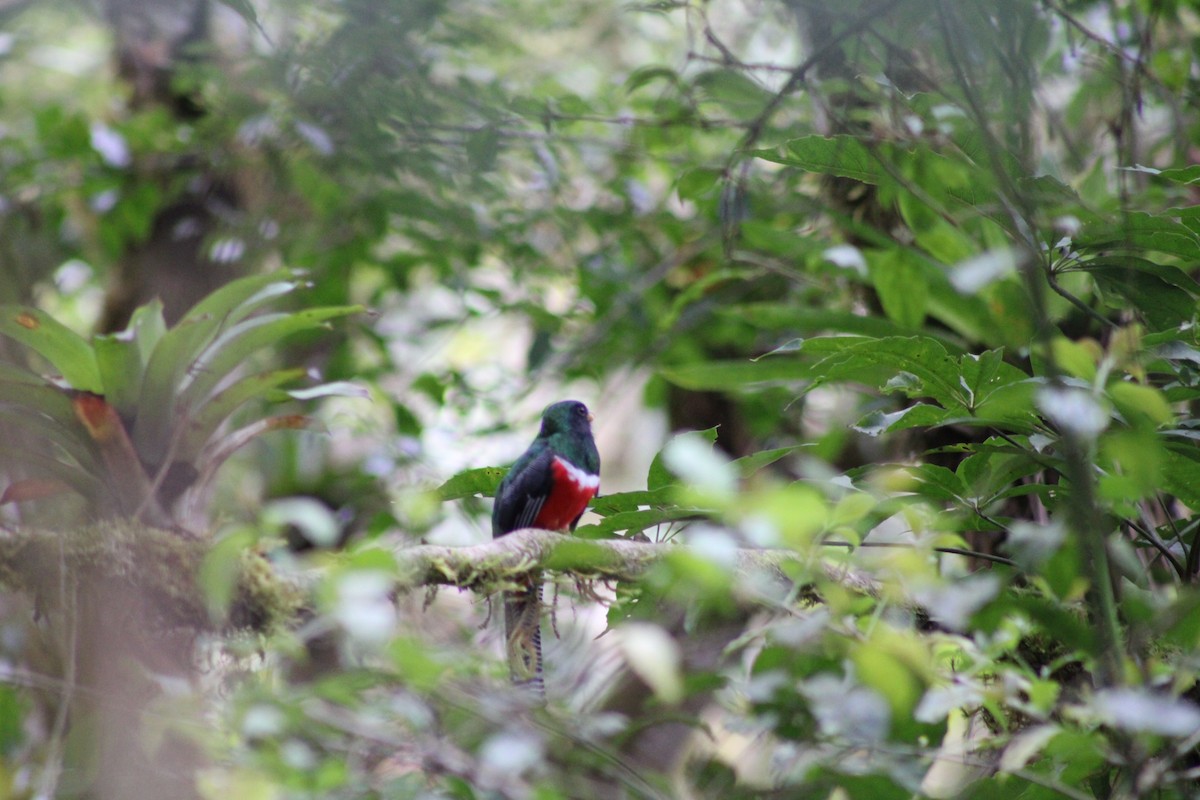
(570, 492)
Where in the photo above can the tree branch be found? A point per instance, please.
(489, 565)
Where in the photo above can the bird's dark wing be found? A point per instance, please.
(523, 492)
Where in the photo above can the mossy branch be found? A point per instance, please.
(491, 564)
(160, 567)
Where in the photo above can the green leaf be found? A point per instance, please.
(119, 361)
(208, 417)
(1181, 474)
(1141, 232)
(235, 345)
(469, 483)
(148, 327)
(917, 366)
(159, 396)
(1184, 175)
(741, 374)
(844, 156)
(748, 465)
(67, 351)
(82, 481)
(608, 504)
(643, 76)
(899, 280)
(984, 374)
(637, 521)
(659, 476)
(918, 415)
(332, 389)
(808, 321)
(239, 299)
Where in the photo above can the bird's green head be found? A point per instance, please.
(566, 416)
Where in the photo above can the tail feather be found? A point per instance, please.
(523, 635)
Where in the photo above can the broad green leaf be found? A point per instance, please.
(1141, 231)
(916, 366)
(471, 482)
(67, 351)
(844, 156)
(899, 280)
(607, 504)
(637, 521)
(984, 374)
(1161, 304)
(1136, 401)
(1190, 174)
(659, 476)
(987, 474)
(1181, 474)
(918, 415)
(938, 482)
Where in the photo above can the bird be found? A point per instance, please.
(548, 487)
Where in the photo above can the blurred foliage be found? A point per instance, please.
(921, 274)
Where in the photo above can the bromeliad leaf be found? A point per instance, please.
(205, 422)
(235, 345)
(67, 351)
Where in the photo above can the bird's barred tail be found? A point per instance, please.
(523, 635)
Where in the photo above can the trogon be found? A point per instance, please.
(548, 487)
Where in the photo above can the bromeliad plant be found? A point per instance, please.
(134, 421)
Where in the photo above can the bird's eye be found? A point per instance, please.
(581, 411)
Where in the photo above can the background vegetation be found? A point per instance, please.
(903, 290)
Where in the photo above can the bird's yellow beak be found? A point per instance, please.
(590, 416)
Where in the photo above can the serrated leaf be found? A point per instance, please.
(928, 369)
(67, 351)
(919, 415)
(608, 504)
(468, 483)
(632, 522)
(1142, 232)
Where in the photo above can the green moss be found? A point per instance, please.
(161, 565)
